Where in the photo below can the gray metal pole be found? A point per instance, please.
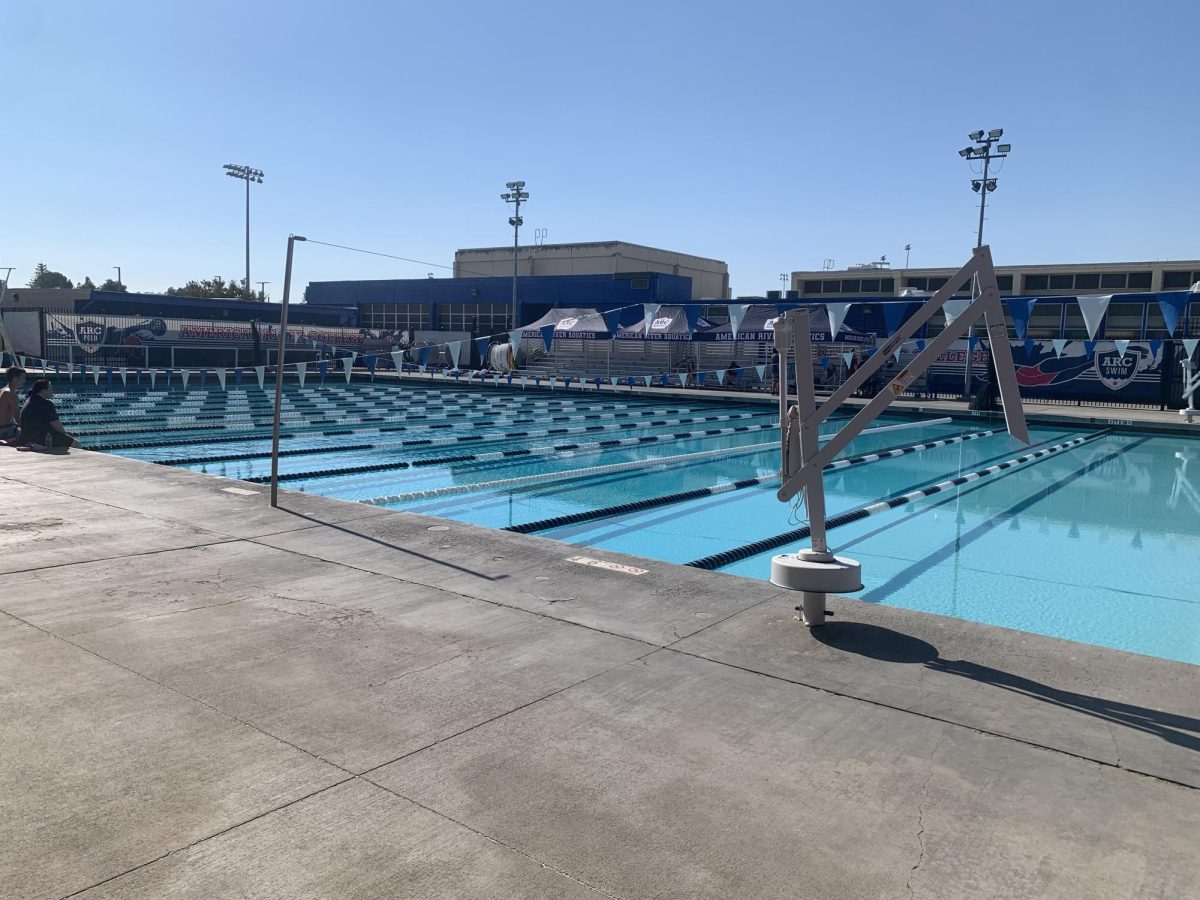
(287, 292)
(247, 235)
(516, 245)
(968, 367)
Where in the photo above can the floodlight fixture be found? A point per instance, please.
(996, 134)
(991, 184)
(1004, 148)
(976, 135)
(250, 175)
(966, 152)
(975, 185)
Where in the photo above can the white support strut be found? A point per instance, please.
(817, 571)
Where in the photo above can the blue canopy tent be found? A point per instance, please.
(574, 322)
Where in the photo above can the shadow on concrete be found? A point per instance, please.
(886, 645)
(383, 543)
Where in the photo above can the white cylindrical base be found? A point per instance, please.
(812, 610)
(831, 575)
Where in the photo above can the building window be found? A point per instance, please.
(1062, 282)
(1114, 280)
(919, 284)
(1174, 281)
(1044, 321)
(1005, 283)
(832, 287)
(851, 286)
(812, 287)
(1123, 320)
(887, 285)
(870, 286)
(640, 284)
(1139, 281)
(1036, 282)
(1087, 282)
(937, 284)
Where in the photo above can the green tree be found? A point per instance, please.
(215, 288)
(86, 284)
(113, 285)
(44, 278)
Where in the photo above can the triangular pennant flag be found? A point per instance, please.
(423, 357)
(1093, 309)
(920, 345)
(124, 375)
(953, 308)
(1029, 345)
(647, 379)
(421, 368)
(612, 379)
(1172, 305)
(96, 374)
(761, 370)
(371, 362)
(847, 358)
(514, 338)
(1020, 308)
(481, 346)
(692, 313)
(894, 315)
(301, 372)
(221, 378)
(21, 361)
(612, 318)
(237, 376)
(1121, 346)
(1189, 346)
(896, 353)
(1089, 348)
(548, 336)
(683, 377)
(314, 343)
(972, 343)
(700, 376)
(837, 315)
(153, 375)
(203, 377)
(1060, 344)
(260, 372)
(1155, 346)
(737, 312)
(184, 375)
(649, 311)
(348, 366)
(719, 375)
(398, 360)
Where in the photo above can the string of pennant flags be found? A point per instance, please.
(1093, 310)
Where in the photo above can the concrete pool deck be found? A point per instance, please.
(203, 697)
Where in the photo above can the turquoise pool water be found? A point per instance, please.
(1095, 544)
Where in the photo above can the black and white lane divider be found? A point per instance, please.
(612, 468)
(485, 437)
(681, 496)
(725, 557)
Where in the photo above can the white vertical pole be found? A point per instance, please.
(287, 292)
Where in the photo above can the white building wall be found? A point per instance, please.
(710, 277)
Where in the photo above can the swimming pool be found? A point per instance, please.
(1095, 543)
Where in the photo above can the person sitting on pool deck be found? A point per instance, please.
(39, 420)
(10, 405)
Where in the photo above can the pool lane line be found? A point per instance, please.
(252, 431)
(917, 568)
(487, 437)
(547, 450)
(634, 417)
(725, 557)
(727, 487)
(572, 474)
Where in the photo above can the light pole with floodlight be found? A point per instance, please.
(981, 149)
(250, 176)
(515, 195)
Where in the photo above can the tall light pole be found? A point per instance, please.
(262, 289)
(514, 195)
(250, 176)
(287, 293)
(981, 149)
(783, 279)
(907, 251)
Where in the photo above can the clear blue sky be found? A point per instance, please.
(768, 134)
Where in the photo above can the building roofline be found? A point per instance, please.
(586, 244)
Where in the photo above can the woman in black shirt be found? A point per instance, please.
(39, 419)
